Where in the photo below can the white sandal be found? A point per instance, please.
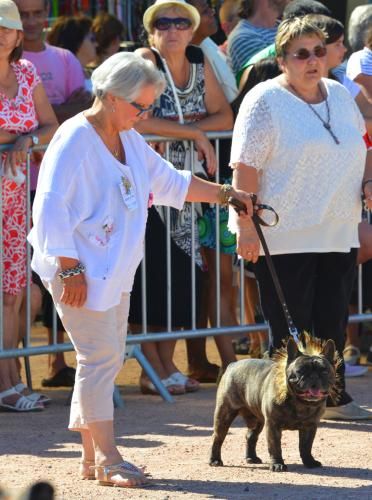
(33, 396)
(190, 384)
(175, 389)
(22, 404)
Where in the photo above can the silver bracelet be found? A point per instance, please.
(72, 271)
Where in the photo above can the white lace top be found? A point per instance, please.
(313, 183)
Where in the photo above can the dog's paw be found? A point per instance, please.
(312, 463)
(278, 467)
(216, 462)
(253, 460)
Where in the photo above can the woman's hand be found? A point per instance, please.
(74, 291)
(17, 155)
(247, 242)
(368, 196)
(206, 150)
(246, 199)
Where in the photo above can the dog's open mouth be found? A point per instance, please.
(312, 394)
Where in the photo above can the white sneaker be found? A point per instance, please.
(350, 411)
(355, 370)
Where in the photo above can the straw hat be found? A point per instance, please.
(9, 15)
(150, 13)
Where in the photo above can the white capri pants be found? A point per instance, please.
(99, 341)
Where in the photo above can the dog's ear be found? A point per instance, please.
(292, 350)
(329, 350)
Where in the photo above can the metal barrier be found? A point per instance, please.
(135, 340)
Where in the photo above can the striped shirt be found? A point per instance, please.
(360, 63)
(245, 41)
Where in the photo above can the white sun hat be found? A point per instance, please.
(9, 15)
(150, 13)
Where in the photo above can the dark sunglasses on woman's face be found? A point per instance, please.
(303, 54)
(180, 23)
(141, 109)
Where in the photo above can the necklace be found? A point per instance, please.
(326, 123)
(114, 150)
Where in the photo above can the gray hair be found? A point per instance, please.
(359, 22)
(124, 75)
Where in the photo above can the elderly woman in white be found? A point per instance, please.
(96, 182)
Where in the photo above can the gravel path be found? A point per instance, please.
(173, 440)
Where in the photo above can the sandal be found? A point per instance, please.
(147, 387)
(352, 355)
(32, 396)
(87, 469)
(126, 470)
(22, 404)
(190, 384)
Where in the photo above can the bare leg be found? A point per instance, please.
(150, 350)
(9, 375)
(36, 299)
(106, 453)
(166, 352)
(365, 238)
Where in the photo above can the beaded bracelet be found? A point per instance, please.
(72, 271)
(224, 194)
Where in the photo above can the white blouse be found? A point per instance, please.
(91, 207)
(313, 183)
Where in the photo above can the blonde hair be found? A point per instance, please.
(294, 28)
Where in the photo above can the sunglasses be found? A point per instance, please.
(303, 54)
(165, 23)
(141, 109)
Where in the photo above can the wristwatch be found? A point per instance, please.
(34, 139)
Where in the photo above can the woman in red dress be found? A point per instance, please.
(26, 119)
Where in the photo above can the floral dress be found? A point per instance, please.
(18, 116)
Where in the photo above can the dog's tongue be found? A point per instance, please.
(317, 393)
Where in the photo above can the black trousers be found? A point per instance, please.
(317, 288)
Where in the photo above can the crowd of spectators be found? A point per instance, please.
(201, 95)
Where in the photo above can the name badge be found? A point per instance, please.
(128, 193)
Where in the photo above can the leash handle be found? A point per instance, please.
(258, 222)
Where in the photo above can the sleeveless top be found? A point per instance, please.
(192, 101)
(18, 116)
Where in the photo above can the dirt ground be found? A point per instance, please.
(173, 440)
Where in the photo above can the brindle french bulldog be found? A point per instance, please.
(286, 392)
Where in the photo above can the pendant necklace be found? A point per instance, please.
(326, 123)
(115, 151)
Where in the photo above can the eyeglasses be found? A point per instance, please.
(141, 109)
(303, 54)
(165, 23)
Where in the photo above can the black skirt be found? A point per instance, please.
(156, 281)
